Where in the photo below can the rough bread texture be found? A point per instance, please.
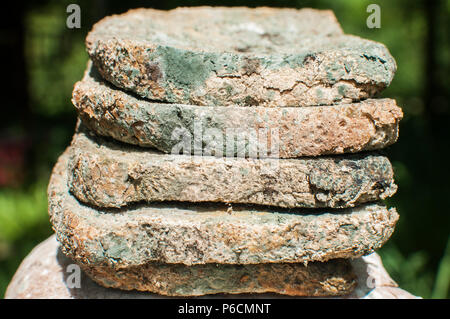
(238, 56)
(43, 274)
(193, 234)
(286, 132)
(331, 278)
(108, 174)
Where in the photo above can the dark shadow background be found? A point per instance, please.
(42, 59)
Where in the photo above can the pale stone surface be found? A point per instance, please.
(286, 132)
(107, 174)
(44, 275)
(210, 233)
(374, 282)
(238, 56)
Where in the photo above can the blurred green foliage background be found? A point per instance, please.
(43, 59)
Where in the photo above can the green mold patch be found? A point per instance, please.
(184, 69)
